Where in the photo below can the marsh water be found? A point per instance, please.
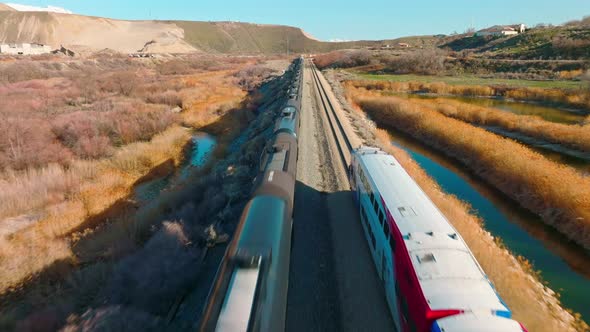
(562, 264)
(198, 155)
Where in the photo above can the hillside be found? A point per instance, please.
(91, 32)
(94, 33)
(556, 42)
(4, 7)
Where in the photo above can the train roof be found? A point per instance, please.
(288, 120)
(449, 275)
(476, 322)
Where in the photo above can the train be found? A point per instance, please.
(432, 281)
(250, 288)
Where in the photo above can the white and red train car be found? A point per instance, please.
(431, 279)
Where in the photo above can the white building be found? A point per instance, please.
(502, 30)
(24, 49)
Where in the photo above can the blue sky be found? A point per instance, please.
(344, 19)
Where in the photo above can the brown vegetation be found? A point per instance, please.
(100, 142)
(576, 137)
(423, 62)
(343, 59)
(114, 266)
(559, 194)
(579, 98)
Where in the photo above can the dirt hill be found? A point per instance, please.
(92, 32)
(95, 33)
(4, 7)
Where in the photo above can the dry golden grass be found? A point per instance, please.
(559, 194)
(534, 305)
(572, 136)
(209, 96)
(87, 194)
(64, 198)
(577, 98)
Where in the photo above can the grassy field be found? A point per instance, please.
(474, 80)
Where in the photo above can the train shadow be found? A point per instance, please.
(333, 284)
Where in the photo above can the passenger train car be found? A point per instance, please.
(432, 281)
(250, 288)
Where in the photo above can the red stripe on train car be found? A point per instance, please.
(422, 316)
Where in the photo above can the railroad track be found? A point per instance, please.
(342, 138)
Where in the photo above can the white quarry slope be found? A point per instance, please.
(27, 8)
(91, 33)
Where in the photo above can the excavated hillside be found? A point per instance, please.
(95, 34)
(4, 7)
(92, 32)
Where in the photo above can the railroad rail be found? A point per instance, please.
(342, 137)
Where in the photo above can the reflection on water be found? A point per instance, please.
(202, 146)
(562, 264)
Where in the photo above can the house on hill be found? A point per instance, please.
(502, 30)
(24, 49)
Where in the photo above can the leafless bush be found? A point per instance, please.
(565, 43)
(123, 83)
(427, 62)
(169, 97)
(174, 67)
(151, 278)
(343, 59)
(21, 71)
(252, 76)
(29, 143)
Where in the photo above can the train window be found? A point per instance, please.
(386, 230)
(373, 239)
(392, 243)
(381, 220)
(375, 206)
